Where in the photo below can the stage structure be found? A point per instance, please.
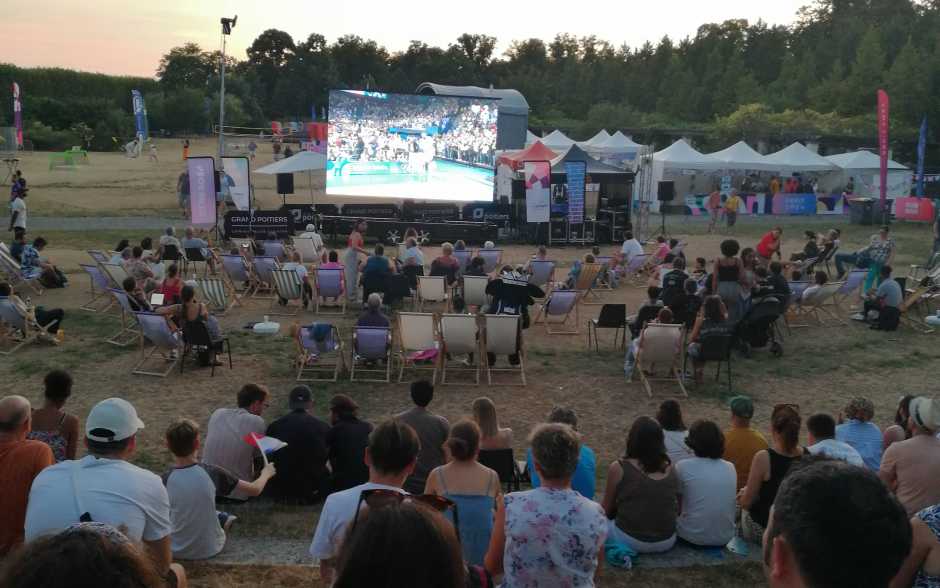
(513, 123)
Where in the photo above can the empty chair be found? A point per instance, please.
(196, 340)
(287, 287)
(660, 345)
(99, 256)
(717, 348)
(371, 354)
(307, 248)
(474, 291)
(418, 345)
(558, 311)
(264, 267)
(166, 343)
(817, 305)
(432, 289)
(20, 330)
(492, 258)
(612, 316)
(502, 336)
(853, 281)
(319, 353)
(274, 249)
(238, 274)
(130, 330)
(98, 288)
(215, 294)
(330, 290)
(460, 335)
(587, 282)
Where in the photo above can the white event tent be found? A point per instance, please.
(797, 158)
(531, 138)
(308, 161)
(864, 168)
(741, 156)
(601, 136)
(557, 141)
(673, 163)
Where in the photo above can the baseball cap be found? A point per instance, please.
(299, 395)
(926, 412)
(742, 406)
(113, 419)
(311, 228)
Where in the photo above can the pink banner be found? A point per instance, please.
(202, 190)
(883, 110)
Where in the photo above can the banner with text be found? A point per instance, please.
(18, 115)
(575, 171)
(237, 176)
(240, 224)
(883, 113)
(538, 179)
(201, 190)
(140, 115)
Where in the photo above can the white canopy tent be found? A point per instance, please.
(741, 156)
(557, 141)
(864, 168)
(618, 143)
(302, 161)
(531, 138)
(798, 158)
(601, 136)
(861, 160)
(675, 163)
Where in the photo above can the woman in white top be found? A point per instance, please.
(494, 436)
(675, 431)
(707, 488)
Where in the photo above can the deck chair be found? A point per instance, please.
(15, 276)
(319, 360)
(418, 341)
(474, 291)
(371, 345)
(853, 281)
(214, 292)
(463, 256)
(239, 242)
(612, 316)
(502, 336)
(604, 279)
(287, 287)
(274, 249)
(557, 311)
(818, 306)
(18, 329)
(329, 285)
(264, 267)
(911, 300)
(491, 259)
(164, 342)
(98, 288)
(239, 276)
(634, 269)
(130, 330)
(542, 274)
(918, 272)
(460, 335)
(587, 283)
(116, 273)
(827, 257)
(194, 256)
(99, 256)
(307, 249)
(432, 289)
(660, 344)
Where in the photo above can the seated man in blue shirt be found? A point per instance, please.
(584, 479)
(886, 301)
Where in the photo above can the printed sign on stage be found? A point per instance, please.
(202, 190)
(575, 172)
(240, 224)
(235, 173)
(538, 177)
(795, 204)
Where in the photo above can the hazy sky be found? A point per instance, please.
(129, 36)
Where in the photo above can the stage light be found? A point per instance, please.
(228, 24)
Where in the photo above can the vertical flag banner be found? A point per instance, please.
(18, 115)
(140, 115)
(575, 171)
(538, 179)
(921, 153)
(202, 190)
(236, 175)
(883, 111)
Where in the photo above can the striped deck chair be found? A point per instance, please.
(474, 291)
(418, 342)
(19, 330)
(130, 330)
(116, 273)
(460, 335)
(633, 270)
(542, 274)
(319, 353)
(463, 256)
(818, 306)
(557, 311)
(330, 291)
(853, 281)
(14, 273)
(287, 287)
(214, 292)
(264, 267)
(660, 344)
(492, 258)
(502, 336)
(274, 249)
(307, 248)
(99, 256)
(604, 279)
(164, 343)
(98, 288)
(587, 283)
(912, 300)
(432, 289)
(371, 345)
(239, 276)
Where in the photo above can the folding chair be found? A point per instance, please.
(634, 269)
(432, 289)
(213, 290)
(542, 274)
(463, 256)
(612, 316)
(717, 348)
(557, 310)
(911, 300)
(20, 330)
(99, 256)
(15, 275)
(98, 288)
(264, 267)
(603, 278)
(474, 291)
(307, 248)
(417, 341)
(239, 275)
(194, 256)
(661, 343)
(171, 253)
(491, 259)
(329, 285)
(853, 281)
(371, 345)
(829, 256)
(130, 330)
(196, 339)
(587, 282)
(116, 273)
(318, 358)
(460, 335)
(503, 462)
(818, 304)
(154, 328)
(502, 336)
(274, 249)
(287, 287)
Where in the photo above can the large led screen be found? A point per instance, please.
(408, 146)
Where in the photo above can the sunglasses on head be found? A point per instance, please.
(382, 498)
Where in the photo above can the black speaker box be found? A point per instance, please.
(666, 191)
(285, 183)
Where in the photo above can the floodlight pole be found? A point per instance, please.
(227, 25)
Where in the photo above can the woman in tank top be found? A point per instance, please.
(52, 425)
(354, 248)
(727, 278)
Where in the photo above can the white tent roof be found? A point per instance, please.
(601, 136)
(742, 156)
(681, 155)
(618, 143)
(300, 161)
(861, 160)
(531, 138)
(797, 157)
(557, 141)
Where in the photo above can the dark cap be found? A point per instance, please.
(299, 396)
(742, 406)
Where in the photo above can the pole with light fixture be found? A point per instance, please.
(227, 25)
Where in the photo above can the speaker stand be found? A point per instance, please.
(662, 217)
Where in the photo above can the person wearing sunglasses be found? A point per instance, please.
(768, 469)
(390, 456)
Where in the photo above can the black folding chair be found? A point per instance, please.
(717, 348)
(194, 256)
(196, 339)
(503, 463)
(171, 253)
(612, 316)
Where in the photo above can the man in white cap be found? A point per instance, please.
(104, 487)
(911, 468)
(311, 233)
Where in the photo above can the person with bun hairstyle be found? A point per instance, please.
(472, 486)
(768, 469)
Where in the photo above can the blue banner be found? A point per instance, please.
(921, 151)
(575, 172)
(140, 115)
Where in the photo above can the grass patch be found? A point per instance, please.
(84, 240)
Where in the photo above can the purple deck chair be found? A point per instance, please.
(99, 256)
(463, 256)
(264, 272)
(100, 284)
(274, 249)
(238, 274)
(557, 310)
(542, 273)
(371, 345)
(154, 328)
(491, 259)
(319, 360)
(330, 285)
(634, 266)
(130, 331)
(853, 281)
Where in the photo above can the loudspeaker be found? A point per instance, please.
(667, 191)
(285, 183)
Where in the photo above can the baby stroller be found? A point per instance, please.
(759, 327)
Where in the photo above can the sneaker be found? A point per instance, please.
(227, 525)
(858, 317)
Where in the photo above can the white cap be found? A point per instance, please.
(926, 413)
(113, 419)
(311, 228)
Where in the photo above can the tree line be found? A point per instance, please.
(731, 80)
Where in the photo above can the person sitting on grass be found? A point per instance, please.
(303, 477)
(886, 301)
(49, 318)
(911, 468)
(52, 425)
(198, 528)
(669, 417)
(742, 441)
(821, 433)
(900, 430)
(225, 445)
(492, 435)
(858, 431)
(583, 480)
(347, 439)
(922, 566)
(706, 489)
